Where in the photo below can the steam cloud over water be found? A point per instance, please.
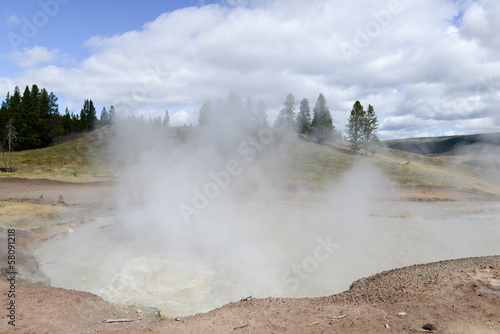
(204, 218)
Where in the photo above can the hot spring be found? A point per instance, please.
(296, 249)
(215, 216)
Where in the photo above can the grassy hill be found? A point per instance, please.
(300, 162)
(85, 156)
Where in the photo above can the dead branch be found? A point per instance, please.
(110, 321)
(239, 327)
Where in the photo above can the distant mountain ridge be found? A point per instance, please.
(442, 145)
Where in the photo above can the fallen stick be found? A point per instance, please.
(339, 317)
(110, 321)
(314, 323)
(246, 298)
(240, 327)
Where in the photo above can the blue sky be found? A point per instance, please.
(75, 21)
(429, 67)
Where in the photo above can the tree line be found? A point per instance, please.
(319, 127)
(235, 112)
(32, 120)
(360, 129)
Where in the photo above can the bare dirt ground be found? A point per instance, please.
(458, 296)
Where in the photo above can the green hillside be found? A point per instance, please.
(296, 162)
(84, 156)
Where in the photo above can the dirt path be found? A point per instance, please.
(31, 190)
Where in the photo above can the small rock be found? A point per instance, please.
(429, 327)
(401, 314)
(387, 326)
(61, 200)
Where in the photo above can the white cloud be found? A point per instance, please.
(12, 19)
(31, 57)
(411, 62)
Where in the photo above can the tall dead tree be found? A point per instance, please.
(11, 136)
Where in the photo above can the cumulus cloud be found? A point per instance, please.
(405, 57)
(480, 22)
(31, 57)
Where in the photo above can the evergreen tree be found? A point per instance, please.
(53, 106)
(88, 116)
(205, 113)
(104, 117)
(67, 124)
(157, 121)
(286, 117)
(322, 128)
(356, 126)
(261, 115)
(26, 119)
(11, 137)
(361, 128)
(112, 114)
(304, 117)
(166, 119)
(4, 117)
(47, 125)
(14, 108)
(257, 116)
(370, 125)
(249, 112)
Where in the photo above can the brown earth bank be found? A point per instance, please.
(456, 296)
(31, 190)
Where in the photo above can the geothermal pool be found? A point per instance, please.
(263, 249)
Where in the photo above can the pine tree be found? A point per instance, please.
(322, 127)
(46, 124)
(286, 117)
(67, 124)
(304, 117)
(205, 113)
(104, 117)
(261, 115)
(4, 116)
(156, 121)
(25, 121)
(370, 125)
(355, 126)
(166, 119)
(249, 112)
(112, 114)
(14, 109)
(88, 116)
(11, 137)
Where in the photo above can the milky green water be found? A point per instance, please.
(208, 266)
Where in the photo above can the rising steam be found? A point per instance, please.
(204, 219)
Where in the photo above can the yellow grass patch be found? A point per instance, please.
(27, 215)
